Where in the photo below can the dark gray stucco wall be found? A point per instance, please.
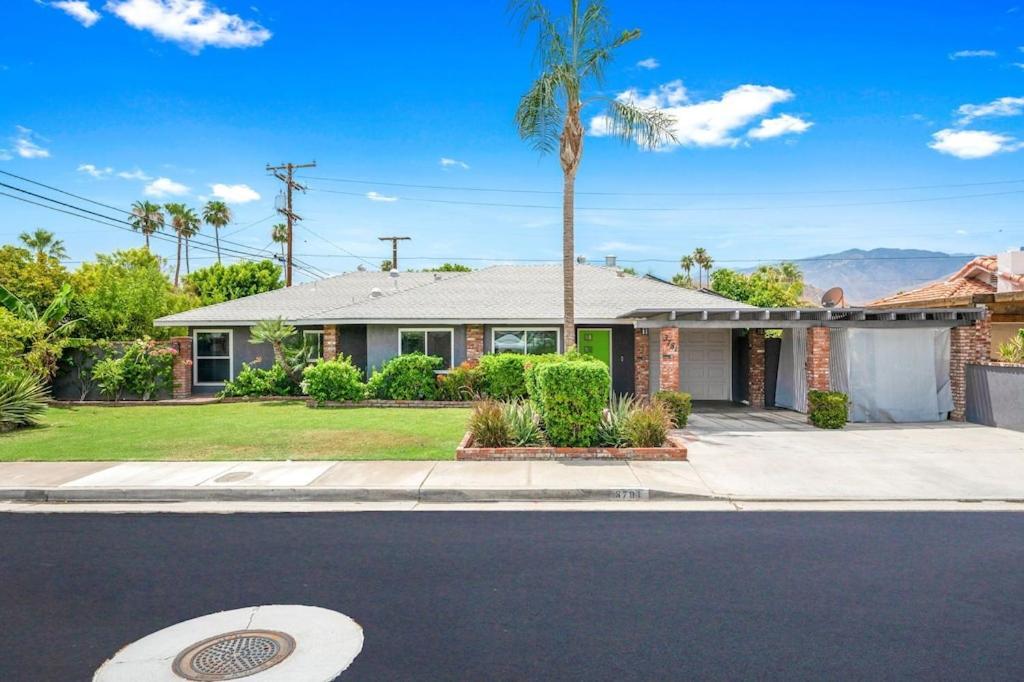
(995, 396)
(352, 342)
(242, 352)
(382, 343)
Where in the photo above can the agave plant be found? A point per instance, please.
(610, 431)
(22, 401)
(523, 423)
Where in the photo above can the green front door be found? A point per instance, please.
(596, 342)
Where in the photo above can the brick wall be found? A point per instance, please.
(181, 369)
(817, 366)
(669, 365)
(968, 345)
(641, 362)
(474, 341)
(755, 376)
(331, 341)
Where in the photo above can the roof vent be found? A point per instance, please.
(361, 268)
(376, 292)
(437, 276)
(609, 261)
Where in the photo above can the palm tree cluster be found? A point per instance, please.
(148, 218)
(44, 244)
(700, 259)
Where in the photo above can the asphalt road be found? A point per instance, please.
(528, 596)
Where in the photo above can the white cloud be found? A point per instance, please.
(136, 174)
(1019, 65)
(972, 144)
(79, 10)
(781, 125)
(961, 232)
(25, 144)
(235, 194)
(1004, 106)
(650, 63)
(375, 196)
(162, 187)
(710, 123)
(968, 54)
(453, 163)
(192, 24)
(94, 171)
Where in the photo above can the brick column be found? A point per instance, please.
(969, 345)
(474, 342)
(669, 366)
(181, 369)
(755, 365)
(817, 365)
(641, 362)
(331, 345)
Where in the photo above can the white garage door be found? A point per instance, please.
(707, 363)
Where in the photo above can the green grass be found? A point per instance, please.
(253, 431)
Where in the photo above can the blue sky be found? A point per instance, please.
(779, 105)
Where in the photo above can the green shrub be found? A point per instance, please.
(827, 409)
(255, 382)
(334, 380)
(504, 375)
(22, 401)
(532, 366)
(571, 396)
(523, 423)
(143, 369)
(647, 426)
(678, 405)
(1013, 350)
(488, 425)
(406, 377)
(609, 432)
(108, 374)
(465, 382)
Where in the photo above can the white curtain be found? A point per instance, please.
(791, 385)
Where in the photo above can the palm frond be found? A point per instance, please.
(21, 309)
(58, 308)
(595, 58)
(539, 115)
(649, 128)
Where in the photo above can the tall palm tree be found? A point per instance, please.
(190, 224)
(147, 218)
(279, 233)
(686, 263)
(216, 214)
(708, 262)
(177, 213)
(43, 243)
(573, 53)
(700, 255)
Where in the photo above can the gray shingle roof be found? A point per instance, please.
(501, 292)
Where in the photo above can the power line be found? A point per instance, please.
(458, 188)
(656, 260)
(329, 242)
(683, 209)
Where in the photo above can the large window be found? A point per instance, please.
(524, 341)
(437, 342)
(314, 339)
(212, 356)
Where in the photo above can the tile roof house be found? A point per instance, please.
(652, 334)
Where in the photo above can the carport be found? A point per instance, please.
(904, 365)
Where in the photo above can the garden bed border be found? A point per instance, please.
(349, 404)
(674, 450)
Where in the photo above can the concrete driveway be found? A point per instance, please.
(774, 454)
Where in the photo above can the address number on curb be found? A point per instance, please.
(629, 494)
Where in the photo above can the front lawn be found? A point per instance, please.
(278, 430)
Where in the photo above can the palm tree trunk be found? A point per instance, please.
(216, 235)
(188, 266)
(568, 261)
(177, 263)
(146, 235)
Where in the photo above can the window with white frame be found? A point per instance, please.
(524, 341)
(212, 351)
(314, 338)
(436, 342)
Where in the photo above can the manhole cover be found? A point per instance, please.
(233, 655)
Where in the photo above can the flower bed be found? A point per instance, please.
(673, 450)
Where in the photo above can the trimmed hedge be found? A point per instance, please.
(406, 377)
(334, 380)
(465, 382)
(504, 375)
(571, 396)
(827, 409)
(678, 405)
(256, 382)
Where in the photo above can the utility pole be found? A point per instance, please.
(394, 248)
(288, 179)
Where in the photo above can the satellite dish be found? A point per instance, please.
(833, 298)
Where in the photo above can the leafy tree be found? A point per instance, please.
(450, 267)
(279, 233)
(34, 340)
(43, 243)
(147, 218)
(31, 280)
(573, 52)
(629, 271)
(120, 295)
(683, 280)
(1013, 350)
(770, 286)
(216, 214)
(385, 265)
(219, 283)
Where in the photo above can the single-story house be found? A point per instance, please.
(896, 364)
